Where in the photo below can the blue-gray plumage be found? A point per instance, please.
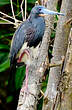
(30, 31)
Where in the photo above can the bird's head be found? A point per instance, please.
(42, 11)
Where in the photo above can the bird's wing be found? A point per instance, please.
(25, 33)
(31, 36)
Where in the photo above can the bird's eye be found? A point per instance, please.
(39, 9)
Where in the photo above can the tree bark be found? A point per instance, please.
(65, 86)
(59, 50)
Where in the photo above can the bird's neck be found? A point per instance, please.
(32, 16)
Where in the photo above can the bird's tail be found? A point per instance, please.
(11, 80)
(14, 73)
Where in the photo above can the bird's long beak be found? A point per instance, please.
(45, 11)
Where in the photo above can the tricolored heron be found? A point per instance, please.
(28, 34)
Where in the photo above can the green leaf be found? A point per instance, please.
(6, 35)
(31, 1)
(40, 103)
(20, 74)
(3, 56)
(44, 84)
(9, 99)
(50, 51)
(4, 65)
(4, 2)
(56, 17)
(52, 34)
(3, 46)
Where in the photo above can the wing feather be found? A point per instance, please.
(25, 33)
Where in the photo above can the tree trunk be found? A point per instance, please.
(65, 86)
(51, 99)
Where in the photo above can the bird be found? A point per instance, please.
(29, 34)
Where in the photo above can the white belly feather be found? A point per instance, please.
(33, 52)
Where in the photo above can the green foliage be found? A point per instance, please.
(3, 46)
(58, 6)
(44, 84)
(4, 52)
(4, 2)
(9, 99)
(5, 65)
(20, 75)
(40, 103)
(52, 34)
(31, 1)
(16, 77)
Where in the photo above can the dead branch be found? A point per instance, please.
(22, 10)
(55, 64)
(25, 8)
(65, 85)
(7, 21)
(13, 12)
(9, 16)
(69, 21)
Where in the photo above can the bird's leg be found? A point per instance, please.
(25, 88)
(22, 55)
(26, 76)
